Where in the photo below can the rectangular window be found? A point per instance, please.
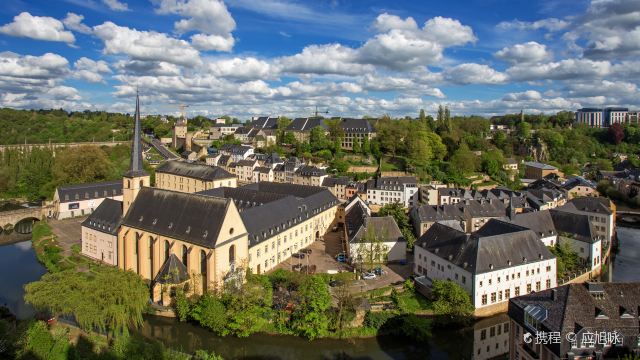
(517, 291)
(483, 334)
(548, 283)
(484, 300)
(500, 295)
(493, 297)
(492, 332)
(537, 285)
(528, 288)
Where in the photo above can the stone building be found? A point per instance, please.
(189, 177)
(100, 232)
(82, 199)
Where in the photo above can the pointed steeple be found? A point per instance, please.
(135, 167)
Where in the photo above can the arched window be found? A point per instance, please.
(203, 262)
(232, 254)
(128, 184)
(135, 251)
(166, 250)
(184, 255)
(150, 257)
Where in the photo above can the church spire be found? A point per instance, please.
(135, 167)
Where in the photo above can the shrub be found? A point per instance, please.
(211, 313)
(205, 355)
(42, 344)
(376, 319)
(182, 305)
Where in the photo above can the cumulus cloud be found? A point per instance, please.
(212, 42)
(386, 22)
(241, 68)
(74, 22)
(37, 27)
(324, 59)
(210, 17)
(146, 45)
(116, 5)
(551, 24)
(90, 70)
(525, 95)
(560, 70)
(530, 52)
(471, 73)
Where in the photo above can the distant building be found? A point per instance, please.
(589, 320)
(244, 170)
(309, 175)
(578, 186)
(82, 199)
(337, 186)
(301, 127)
(236, 152)
(511, 164)
(499, 261)
(219, 131)
(356, 130)
(389, 190)
(100, 232)
(263, 173)
(605, 117)
(190, 178)
(600, 210)
(536, 170)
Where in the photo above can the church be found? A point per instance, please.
(199, 241)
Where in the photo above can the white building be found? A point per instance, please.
(82, 199)
(358, 222)
(500, 261)
(100, 232)
(389, 190)
(236, 152)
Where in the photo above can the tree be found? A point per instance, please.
(463, 160)
(492, 163)
(80, 165)
(616, 133)
(371, 251)
(451, 299)
(211, 313)
(402, 219)
(248, 305)
(289, 138)
(182, 305)
(345, 307)
(336, 132)
(309, 319)
(357, 148)
(366, 146)
(317, 139)
(109, 300)
(523, 129)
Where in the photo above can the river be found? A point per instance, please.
(18, 266)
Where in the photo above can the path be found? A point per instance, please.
(68, 233)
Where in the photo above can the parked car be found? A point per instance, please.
(334, 283)
(341, 258)
(369, 276)
(298, 255)
(306, 251)
(379, 271)
(296, 267)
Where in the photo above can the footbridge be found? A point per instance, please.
(19, 220)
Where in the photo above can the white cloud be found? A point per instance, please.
(560, 70)
(385, 22)
(150, 68)
(210, 17)
(90, 70)
(551, 24)
(324, 59)
(41, 68)
(448, 32)
(37, 27)
(241, 68)
(116, 5)
(525, 95)
(74, 22)
(471, 73)
(603, 87)
(530, 52)
(212, 42)
(146, 45)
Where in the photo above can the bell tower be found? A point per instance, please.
(135, 178)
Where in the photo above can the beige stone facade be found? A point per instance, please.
(144, 252)
(100, 246)
(191, 185)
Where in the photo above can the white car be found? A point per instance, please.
(369, 276)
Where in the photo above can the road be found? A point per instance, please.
(162, 150)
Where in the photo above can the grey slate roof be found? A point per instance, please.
(89, 191)
(589, 204)
(246, 162)
(490, 248)
(350, 125)
(358, 222)
(307, 170)
(391, 182)
(234, 149)
(106, 218)
(173, 271)
(189, 217)
(539, 221)
(243, 197)
(194, 171)
(301, 191)
(265, 122)
(573, 307)
(305, 124)
(333, 181)
(577, 225)
(463, 210)
(540, 165)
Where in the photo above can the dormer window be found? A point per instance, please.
(188, 229)
(141, 218)
(170, 225)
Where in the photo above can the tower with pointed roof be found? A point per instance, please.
(136, 177)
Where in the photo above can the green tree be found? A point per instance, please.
(309, 319)
(81, 165)
(523, 129)
(318, 139)
(108, 299)
(182, 305)
(402, 219)
(492, 163)
(451, 300)
(248, 305)
(210, 313)
(357, 148)
(463, 160)
(366, 146)
(372, 251)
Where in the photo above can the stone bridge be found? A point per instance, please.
(54, 146)
(19, 220)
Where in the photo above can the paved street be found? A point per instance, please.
(68, 232)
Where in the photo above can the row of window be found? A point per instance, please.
(498, 296)
(494, 331)
(105, 193)
(513, 275)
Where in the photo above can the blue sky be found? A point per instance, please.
(354, 58)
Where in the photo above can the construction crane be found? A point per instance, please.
(320, 112)
(183, 106)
